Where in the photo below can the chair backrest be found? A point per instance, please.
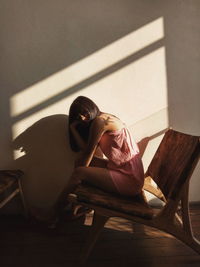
(174, 162)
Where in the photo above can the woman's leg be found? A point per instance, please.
(99, 177)
(96, 176)
(99, 162)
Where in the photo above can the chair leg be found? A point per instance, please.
(193, 243)
(4, 202)
(97, 225)
(188, 239)
(179, 233)
(23, 199)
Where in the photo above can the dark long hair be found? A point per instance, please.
(85, 106)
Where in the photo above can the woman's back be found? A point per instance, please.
(118, 146)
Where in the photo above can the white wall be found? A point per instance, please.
(136, 59)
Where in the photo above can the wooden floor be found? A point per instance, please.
(27, 244)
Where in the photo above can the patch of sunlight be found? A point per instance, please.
(137, 90)
(145, 92)
(114, 223)
(18, 153)
(87, 67)
(120, 224)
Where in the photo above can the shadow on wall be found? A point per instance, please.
(39, 40)
(48, 159)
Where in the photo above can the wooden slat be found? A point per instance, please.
(174, 161)
(135, 206)
(7, 199)
(8, 178)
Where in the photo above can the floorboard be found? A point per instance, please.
(121, 243)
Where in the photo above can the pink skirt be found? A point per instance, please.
(128, 178)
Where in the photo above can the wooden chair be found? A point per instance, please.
(10, 186)
(171, 169)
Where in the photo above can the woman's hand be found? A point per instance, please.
(79, 140)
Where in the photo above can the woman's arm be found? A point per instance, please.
(96, 131)
(79, 140)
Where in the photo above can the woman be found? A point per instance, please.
(90, 132)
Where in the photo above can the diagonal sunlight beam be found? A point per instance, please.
(137, 90)
(89, 81)
(87, 71)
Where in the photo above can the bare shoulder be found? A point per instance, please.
(99, 123)
(110, 122)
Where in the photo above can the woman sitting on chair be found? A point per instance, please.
(90, 131)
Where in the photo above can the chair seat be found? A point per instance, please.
(8, 178)
(136, 206)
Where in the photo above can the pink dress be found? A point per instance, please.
(124, 163)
